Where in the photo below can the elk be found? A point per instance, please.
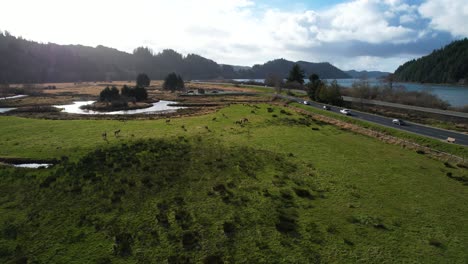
(116, 133)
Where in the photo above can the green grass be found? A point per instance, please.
(283, 189)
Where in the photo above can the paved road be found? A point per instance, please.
(407, 107)
(442, 134)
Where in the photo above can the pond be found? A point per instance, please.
(4, 110)
(32, 165)
(158, 107)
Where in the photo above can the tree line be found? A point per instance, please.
(24, 61)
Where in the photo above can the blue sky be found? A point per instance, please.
(353, 34)
(298, 4)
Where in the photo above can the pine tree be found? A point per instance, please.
(143, 80)
(296, 74)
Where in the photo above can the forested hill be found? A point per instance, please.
(367, 74)
(281, 67)
(25, 61)
(446, 65)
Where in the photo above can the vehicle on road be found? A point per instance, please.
(398, 122)
(306, 103)
(326, 107)
(345, 111)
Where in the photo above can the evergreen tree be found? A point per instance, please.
(173, 82)
(127, 91)
(296, 74)
(114, 93)
(140, 93)
(143, 80)
(334, 94)
(313, 86)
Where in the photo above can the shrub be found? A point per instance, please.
(303, 193)
(287, 220)
(213, 259)
(190, 241)
(229, 229)
(123, 244)
(435, 243)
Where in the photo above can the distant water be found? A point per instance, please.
(454, 95)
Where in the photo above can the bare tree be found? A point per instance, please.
(274, 80)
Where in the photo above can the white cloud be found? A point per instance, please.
(451, 16)
(228, 31)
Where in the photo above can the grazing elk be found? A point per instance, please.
(104, 136)
(116, 133)
(242, 121)
(168, 121)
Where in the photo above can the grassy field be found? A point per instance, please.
(282, 188)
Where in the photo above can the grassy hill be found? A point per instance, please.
(446, 65)
(283, 188)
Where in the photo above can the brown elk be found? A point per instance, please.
(104, 136)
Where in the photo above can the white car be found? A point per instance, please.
(326, 107)
(306, 103)
(345, 111)
(398, 122)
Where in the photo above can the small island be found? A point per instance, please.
(127, 98)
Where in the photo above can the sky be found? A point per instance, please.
(354, 34)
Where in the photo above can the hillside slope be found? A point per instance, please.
(446, 65)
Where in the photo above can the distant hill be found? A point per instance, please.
(281, 67)
(446, 65)
(367, 74)
(24, 61)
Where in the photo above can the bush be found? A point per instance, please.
(123, 245)
(435, 243)
(287, 220)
